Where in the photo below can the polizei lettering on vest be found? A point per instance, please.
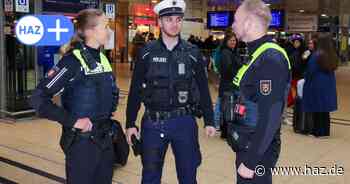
(159, 60)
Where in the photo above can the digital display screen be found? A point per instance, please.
(68, 6)
(277, 19)
(219, 19)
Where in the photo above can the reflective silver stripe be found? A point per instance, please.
(195, 60)
(59, 92)
(143, 57)
(59, 75)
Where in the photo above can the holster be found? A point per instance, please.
(102, 134)
(239, 136)
(229, 101)
(196, 110)
(67, 138)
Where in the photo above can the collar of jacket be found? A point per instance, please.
(252, 46)
(177, 46)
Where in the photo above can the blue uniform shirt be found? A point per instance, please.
(271, 68)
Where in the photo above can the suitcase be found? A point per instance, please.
(302, 121)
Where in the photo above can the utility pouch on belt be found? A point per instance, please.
(102, 135)
(229, 100)
(232, 107)
(239, 137)
(103, 141)
(239, 110)
(197, 110)
(67, 138)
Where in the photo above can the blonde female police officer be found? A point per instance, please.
(263, 86)
(89, 96)
(166, 74)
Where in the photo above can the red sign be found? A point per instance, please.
(139, 9)
(145, 21)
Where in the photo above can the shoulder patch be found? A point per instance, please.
(265, 87)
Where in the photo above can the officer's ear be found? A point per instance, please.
(248, 23)
(89, 33)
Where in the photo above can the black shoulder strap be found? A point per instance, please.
(90, 61)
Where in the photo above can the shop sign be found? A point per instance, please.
(301, 22)
(145, 21)
(110, 10)
(22, 6)
(8, 5)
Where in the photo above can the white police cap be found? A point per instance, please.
(170, 7)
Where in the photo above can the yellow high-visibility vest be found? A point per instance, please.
(102, 67)
(241, 72)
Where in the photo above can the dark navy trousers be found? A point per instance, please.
(86, 163)
(182, 134)
(268, 161)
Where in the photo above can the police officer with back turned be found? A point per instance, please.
(263, 83)
(170, 79)
(89, 96)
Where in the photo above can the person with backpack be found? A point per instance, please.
(228, 66)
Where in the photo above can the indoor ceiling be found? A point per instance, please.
(308, 6)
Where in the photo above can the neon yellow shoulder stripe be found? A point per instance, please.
(255, 55)
(104, 61)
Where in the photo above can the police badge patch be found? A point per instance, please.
(265, 87)
(53, 71)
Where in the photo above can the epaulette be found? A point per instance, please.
(152, 45)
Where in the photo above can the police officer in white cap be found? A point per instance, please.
(171, 81)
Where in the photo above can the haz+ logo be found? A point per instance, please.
(29, 30)
(44, 30)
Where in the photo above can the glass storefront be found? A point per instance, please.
(18, 67)
(2, 60)
(23, 66)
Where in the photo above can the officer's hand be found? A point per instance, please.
(84, 124)
(130, 132)
(245, 172)
(210, 131)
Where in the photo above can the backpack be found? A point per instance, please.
(216, 59)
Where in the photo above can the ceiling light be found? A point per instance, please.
(324, 15)
(301, 11)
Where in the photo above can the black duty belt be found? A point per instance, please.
(165, 115)
(100, 127)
